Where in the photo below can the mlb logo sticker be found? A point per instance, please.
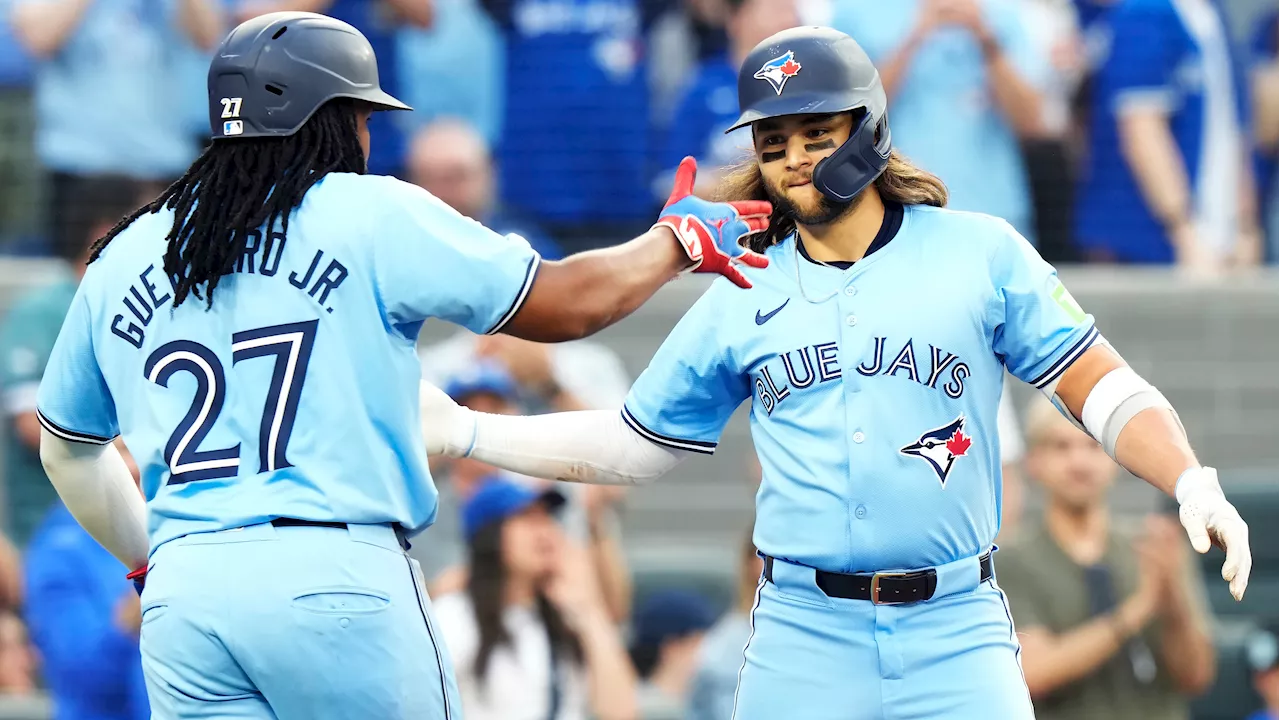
(779, 70)
(232, 127)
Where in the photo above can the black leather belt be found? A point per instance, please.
(883, 588)
(295, 522)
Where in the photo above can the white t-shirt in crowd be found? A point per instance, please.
(517, 685)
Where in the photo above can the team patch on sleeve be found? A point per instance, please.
(1068, 303)
(698, 446)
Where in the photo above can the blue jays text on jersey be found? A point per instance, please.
(295, 394)
(874, 389)
(821, 363)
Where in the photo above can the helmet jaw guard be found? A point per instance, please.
(273, 72)
(857, 163)
(813, 71)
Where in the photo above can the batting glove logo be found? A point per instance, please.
(712, 234)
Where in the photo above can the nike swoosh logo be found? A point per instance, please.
(762, 319)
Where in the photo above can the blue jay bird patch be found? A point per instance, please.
(779, 70)
(940, 447)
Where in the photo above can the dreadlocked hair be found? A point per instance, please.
(901, 182)
(237, 187)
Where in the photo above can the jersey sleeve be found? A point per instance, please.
(73, 401)
(687, 394)
(431, 261)
(1039, 329)
(1139, 69)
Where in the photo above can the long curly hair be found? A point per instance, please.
(236, 187)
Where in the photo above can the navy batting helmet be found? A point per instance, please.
(273, 72)
(812, 71)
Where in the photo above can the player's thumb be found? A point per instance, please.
(686, 174)
(1197, 529)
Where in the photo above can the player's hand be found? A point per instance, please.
(711, 233)
(447, 428)
(1210, 519)
(574, 587)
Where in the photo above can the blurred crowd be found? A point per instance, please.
(1121, 131)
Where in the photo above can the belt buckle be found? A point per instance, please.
(875, 588)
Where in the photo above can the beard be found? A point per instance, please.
(827, 210)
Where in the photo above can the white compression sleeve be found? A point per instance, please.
(96, 486)
(594, 446)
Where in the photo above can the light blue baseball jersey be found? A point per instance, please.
(296, 395)
(874, 400)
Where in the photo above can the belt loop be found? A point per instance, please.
(768, 568)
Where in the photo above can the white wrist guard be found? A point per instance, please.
(1116, 398)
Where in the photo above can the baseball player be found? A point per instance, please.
(251, 335)
(872, 350)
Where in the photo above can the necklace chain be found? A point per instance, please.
(796, 252)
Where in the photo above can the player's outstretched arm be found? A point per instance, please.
(590, 446)
(587, 292)
(1140, 429)
(95, 484)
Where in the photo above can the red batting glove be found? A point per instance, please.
(712, 233)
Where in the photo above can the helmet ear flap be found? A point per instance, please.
(857, 163)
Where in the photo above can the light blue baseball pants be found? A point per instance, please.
(294, 623)
(813, 657)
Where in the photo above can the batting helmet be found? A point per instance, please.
(816, 70)
(273, 72)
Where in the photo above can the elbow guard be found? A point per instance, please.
(1115, 400)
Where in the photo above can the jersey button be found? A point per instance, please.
(858, 437)
(860, 511)
(851, 291)
(851, 320)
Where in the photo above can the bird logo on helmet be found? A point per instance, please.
(779, 70)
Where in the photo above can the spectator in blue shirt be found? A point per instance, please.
(575, 140)
(379, 21)
(1266, 126)
(709, 103)
(455, 68)
(105, 79)
(84, 617)
(19, 170)
(964, 80)
(1166, 177)
(449, 159)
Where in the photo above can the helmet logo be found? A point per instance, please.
(779, 70)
